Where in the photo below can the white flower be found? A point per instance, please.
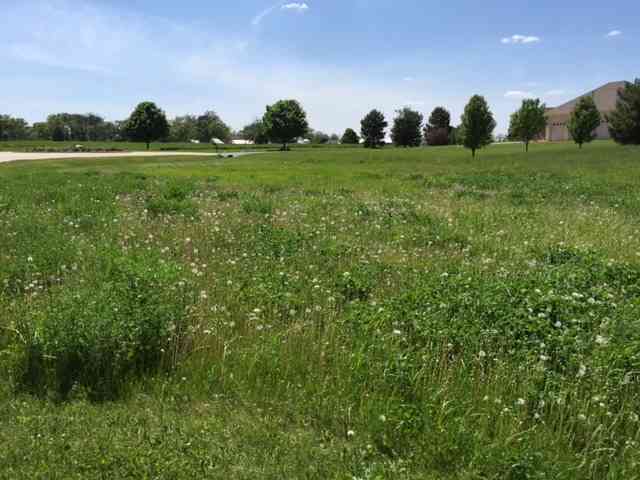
(520, 402)
(600, 340)
(397, 332)
(482, 354)
(582, 371)
(29, 259)
(350, 433)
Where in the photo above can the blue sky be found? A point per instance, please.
(340, 58)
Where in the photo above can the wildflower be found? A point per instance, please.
(383, 418)
(30, 259)
(397, 332)
(482, 354)
(600, 340)
(582, 417)
(520, 402)
(582, 371)
(350, 433)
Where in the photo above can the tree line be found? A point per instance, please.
(285, 122)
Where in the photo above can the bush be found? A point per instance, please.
(130, 322)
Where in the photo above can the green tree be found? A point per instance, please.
(583, 121)
(12, 128)
(255, 132)
(477, 124)
(438, 130)
(407, 128)
(284, 121)
(528, 122)
(209, 126)
(440, 118)
(624, 121)
(372, 129)
(183, 129)
(350, 137)
(147, 123)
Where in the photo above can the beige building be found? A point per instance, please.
(605, 98)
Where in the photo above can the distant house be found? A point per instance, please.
(242, 142)
(194, 141)
(304, 141)
(605, 99)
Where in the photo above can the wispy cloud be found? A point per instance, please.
(554, 93)
(408, 79)
(297, 7)
(518, 94)
(613, 33)
(291, 7)
(520, 39)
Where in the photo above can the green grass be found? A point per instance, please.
(324, 313)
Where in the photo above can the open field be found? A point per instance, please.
(329, 313)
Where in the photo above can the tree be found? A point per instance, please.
(477, 124)
(183, 129)
(12, 128)
(209, 126)
(528, 122)
(438, 129)
(624, 121)
(583, 121)
(407, 127)
(317, 137)
(255, 132)
(284, 121)
(350, 137)
(146, 124)
(372, 128)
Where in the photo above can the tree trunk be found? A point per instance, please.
(147, 145)
(473, 153)
(526, 147)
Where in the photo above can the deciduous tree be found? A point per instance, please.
(528, 122)
(583, 121)
(477, 124)
(146, 124)
(284, 121)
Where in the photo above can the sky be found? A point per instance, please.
(339, 58)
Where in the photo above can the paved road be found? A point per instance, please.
(13, 157)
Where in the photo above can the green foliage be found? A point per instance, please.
(624, 121)
(350, 137)
(584, 120)
(146, 124)
(13, 128)
(407, 127)
(255, 132)
(209, 126)
(285, 121)
(372, 129)
(477, 124)
(528, 122)
(438, 130)
(127, 321)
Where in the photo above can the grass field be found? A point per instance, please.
(330, 313)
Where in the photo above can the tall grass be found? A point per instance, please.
(336, 314)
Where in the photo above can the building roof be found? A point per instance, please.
(604, 97)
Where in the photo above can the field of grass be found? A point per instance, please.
(331, 313)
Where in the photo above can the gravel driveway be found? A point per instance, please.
(13, 157)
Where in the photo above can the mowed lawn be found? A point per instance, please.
(323, 313)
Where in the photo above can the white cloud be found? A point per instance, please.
(554, 93)
(292, 7)
(613, 33)
(408, 79)
(259, 17)
(517, 94)
(298, 7)
(520, 39)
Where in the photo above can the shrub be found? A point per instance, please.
(130, 322)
